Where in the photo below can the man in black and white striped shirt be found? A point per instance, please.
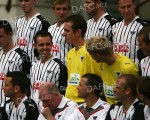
(144, 45)
(19, 107)
(125, 32)
(11, 58)
(60, 47)
(128, 107)
(27, 26)
(48, 68)
(101, 22)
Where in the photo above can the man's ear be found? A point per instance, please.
(128, 91)
(16, 88)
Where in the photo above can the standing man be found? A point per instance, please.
(125, 32)
(60, 47)
(112, 64)
(128, 107)
(56, 106)
(90, 88)
(19, 107)
(27, 26)
(144, 45)
(48, 68)
(78, 61)
(12, 58)
(101, 22)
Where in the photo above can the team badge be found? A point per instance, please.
(48, 72)
(82, 58)
(118, 73)
(31, 28)
(94, 117)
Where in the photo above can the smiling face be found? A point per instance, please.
(145, 47)
(43, 46)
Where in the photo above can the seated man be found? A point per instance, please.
(143, 89)
(56, 106)
(90, 87)
(19, 107)
(129, 107)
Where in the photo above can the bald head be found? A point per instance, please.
(49, 87)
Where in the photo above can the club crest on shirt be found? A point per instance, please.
(81, 58)
(132, 32)
(31, 28)
(48, 72)
(10, 62)
(100, 29)
(117, 73)
(94, 117)
(59, 116)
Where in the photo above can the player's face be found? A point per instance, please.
(90, 7)
(69, 34)
(127, 9)
(43, 46)
(82, 88)
(119, 90)
(4, 38)
(8, 88)
(143, 46)
(27, 5)
(61, 11)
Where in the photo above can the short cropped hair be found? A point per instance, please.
(20, 79)
(131, 82)
(42, 33)
(144, 86)
(95, 82)
(145, 32)
(59, 2)
(78, 22)
(6, 26)
(100, 45)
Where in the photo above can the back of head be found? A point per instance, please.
(145, 32)
(100, 45)
(144, 86)
(131, 82)
(42, 33)
(78, 22)
(94, 82)
(20, 79)
(6, 26)
(59, 2)
(122, 0)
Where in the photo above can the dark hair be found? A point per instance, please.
(95, 82)
(119, 0)
(6, 26)
(131, 82)
(20, 79)
(78, 22)
(144, 86)
(145, 32)
(42, 33)
(55, 2)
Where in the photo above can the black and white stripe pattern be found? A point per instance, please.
(102, 27)
(25, 31)
(15, 60)
(145, 66)
(147, 112)
(60, 47)
(50, 71)
(125, 38)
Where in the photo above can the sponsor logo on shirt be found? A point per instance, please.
(121, 47)
(36, 85)
(55, 48)
(2, 76)
(21, 42)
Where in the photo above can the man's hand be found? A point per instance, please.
(47, 114)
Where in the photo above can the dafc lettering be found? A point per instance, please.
(55, 48)
(121, 48)
(21, 42)
(2, 76)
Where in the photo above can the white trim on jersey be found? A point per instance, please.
(97, 112)
(125, 38)
(101, 27)
(145, 66)
(24, 33)
(60, 47)
(147, 112)
(12, 61)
